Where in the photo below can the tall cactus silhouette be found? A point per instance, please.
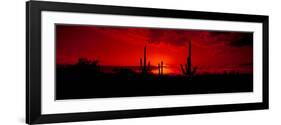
(187, 68)
(145, 68)
(162, 65)
(160, 68)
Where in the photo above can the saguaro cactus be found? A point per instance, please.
(186, 69)
(143, 65)
(162, 64)
(160, 68)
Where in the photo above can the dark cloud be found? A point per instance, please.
(174, 37)
(178, 37)
(245, 39)
(181, 37)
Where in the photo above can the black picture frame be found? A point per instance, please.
(33, 61)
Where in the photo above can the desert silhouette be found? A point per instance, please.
(91, 77)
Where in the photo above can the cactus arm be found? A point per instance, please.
(182, 69)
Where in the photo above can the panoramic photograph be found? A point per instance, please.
(95, 61)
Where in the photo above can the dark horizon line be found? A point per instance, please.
(156, 67)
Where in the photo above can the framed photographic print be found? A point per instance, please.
(95, 62)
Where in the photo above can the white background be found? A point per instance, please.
(12, 63)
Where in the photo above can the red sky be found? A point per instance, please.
(212, 51)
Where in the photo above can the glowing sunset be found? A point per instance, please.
(143, 59)
(212, 51)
